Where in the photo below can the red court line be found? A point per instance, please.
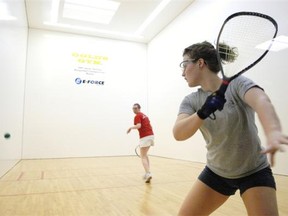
(20, 176)
(91, 189)
(42, 175)
(69, 177)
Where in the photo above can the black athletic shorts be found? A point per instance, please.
(228, 186)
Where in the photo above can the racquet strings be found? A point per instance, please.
(244, 34)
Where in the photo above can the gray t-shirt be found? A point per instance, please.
(233, 145)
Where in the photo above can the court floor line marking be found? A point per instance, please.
(90, 189)
(20, 176)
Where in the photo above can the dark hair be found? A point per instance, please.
(138, 105)
(206, 51)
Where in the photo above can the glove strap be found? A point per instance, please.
(203, 116)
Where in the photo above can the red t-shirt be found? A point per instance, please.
(146, 128)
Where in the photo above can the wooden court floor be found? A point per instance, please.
(107, 186)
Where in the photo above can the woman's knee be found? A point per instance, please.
(144, 151)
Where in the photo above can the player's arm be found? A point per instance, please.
(260, 102)
(186, 125)
(137, 126)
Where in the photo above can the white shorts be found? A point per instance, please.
(147, 141)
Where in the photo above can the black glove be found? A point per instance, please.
(214, 102)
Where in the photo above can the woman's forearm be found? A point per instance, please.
(186, 126)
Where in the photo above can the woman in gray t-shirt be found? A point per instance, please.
(235, 158)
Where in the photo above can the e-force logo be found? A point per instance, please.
(79, 81)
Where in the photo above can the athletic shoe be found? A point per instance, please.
(147, 177)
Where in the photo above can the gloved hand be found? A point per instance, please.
(214, 102)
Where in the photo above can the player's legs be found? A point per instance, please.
(258, 192)
(260, 201)
(201, 200)
(144, 158)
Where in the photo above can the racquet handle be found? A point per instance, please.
(221, 91)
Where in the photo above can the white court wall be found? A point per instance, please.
(202, 21)
(13, 42)
(66, 119)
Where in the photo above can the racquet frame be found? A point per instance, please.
(227, 80)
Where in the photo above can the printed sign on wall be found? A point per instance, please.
(89, 68)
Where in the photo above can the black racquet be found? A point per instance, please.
(238, 43)
(136, 150)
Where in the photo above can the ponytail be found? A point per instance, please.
(227, 53)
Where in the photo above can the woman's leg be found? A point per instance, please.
(144, 158)
(260, 201)
(201, 200)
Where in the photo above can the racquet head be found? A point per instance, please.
(136, 150)
(238, 43)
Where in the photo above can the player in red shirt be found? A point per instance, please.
(142, 124)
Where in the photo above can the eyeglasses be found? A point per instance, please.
(184, 64)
